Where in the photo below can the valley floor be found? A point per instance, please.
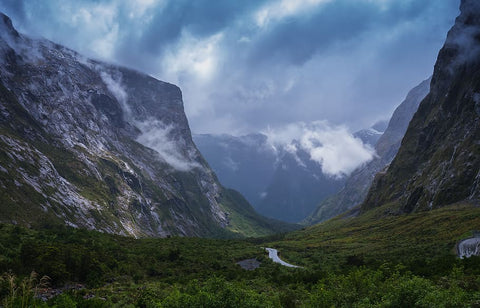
(376, 260)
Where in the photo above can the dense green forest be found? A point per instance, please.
(396, 261)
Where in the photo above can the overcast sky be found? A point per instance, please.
(252, 65)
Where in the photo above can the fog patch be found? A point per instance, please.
(115, 87)
(158, 136)
(335, 148)
(29, 50)
(465, 37)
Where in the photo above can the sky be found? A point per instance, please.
(247, 66)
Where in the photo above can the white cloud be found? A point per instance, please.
(143, 8)
(193, 56)
(116, 88)
(278, 10)
(157, 136)
(98, 21)
(338, 151)
(333, 147)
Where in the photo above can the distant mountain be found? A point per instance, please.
(296, 186)
(438, 162)
(245, 163)
(278, 183)
(357, 184)
(371, 135)
(98, 146)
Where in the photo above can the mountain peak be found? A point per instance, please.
(471, 7)
(6, 26)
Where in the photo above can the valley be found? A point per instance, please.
(106, 199)
(373, 260)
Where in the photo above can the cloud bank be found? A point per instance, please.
(245, 65)
(333, 147)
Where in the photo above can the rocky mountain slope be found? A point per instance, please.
(439, 158)
(278, 183)
(103, 147)
(357, 184)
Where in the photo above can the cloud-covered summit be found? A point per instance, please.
(245, 65)
(334, 148)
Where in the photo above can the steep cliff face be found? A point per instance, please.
(439, 158)
(358, 183)
(99, 146)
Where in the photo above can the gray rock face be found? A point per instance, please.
(358, 183)
(100, 146)
(439, 158)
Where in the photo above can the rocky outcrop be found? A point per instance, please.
(358, 183)
(104, 147)
(439, 158)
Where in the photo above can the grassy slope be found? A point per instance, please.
(376, 237)
(245, 221)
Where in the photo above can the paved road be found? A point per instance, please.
(273, 254)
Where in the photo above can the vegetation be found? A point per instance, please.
(396, 261)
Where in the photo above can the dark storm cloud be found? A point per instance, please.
(245, 65)
(298, 38)
(201, 18)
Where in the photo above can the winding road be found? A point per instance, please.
(273, 254)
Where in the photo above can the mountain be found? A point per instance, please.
(98, 146)
(296, 186)
(439, 159)
(357, 184)
(279, 183)
(371, 135)
(245, 163)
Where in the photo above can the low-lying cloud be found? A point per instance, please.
(333, 147)
(157, 136)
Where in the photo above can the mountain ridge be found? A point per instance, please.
(439, 159)
(95, 145)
